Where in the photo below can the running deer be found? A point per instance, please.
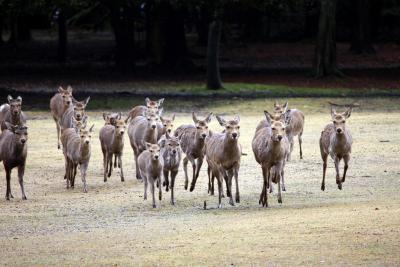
(336, 141)
(78, 151)
(270, 147)
(294, 120)
(223, 153)
(152, 106)
(150, 166)
(192, 139)
(12, 112)
(112, 143)
(171, 154)
(13, 152)
(142, 130)
(60, 103)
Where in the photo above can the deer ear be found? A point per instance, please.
(160, 111)
(147, 101)
(119, 116)
(221, 121)
(87, 100)
(9, 98)
(60, 89)
(194, 117)
(237, 118)
(268, 116)
(69, 89)
(333, 112)
(275, 103)
(160, 101)
(105, 116)
(148, 146)
(285, 106)
(347, 113)
(19, 99)
(161, 143)
(91, 128)
(173, 117)
(208, 118)
(74, 101)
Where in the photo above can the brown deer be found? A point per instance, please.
(336, 141)
(112, 143)
(142, 130)
(223, 153)
(150, 166)
(171, 153)
(152, 106)
(60, 103)
(192, 139)
(111, 118)
(165, 126)
(270, 147)
(77, 110)
(12, 112)
(13, 152)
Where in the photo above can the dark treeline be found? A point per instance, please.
(158, 30)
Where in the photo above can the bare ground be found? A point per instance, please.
(112, 225)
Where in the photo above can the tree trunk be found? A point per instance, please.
(361, 40)
(122, 24)
(213, 72)
(325, 51)
(62, 36)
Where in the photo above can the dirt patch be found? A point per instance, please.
(113, 225)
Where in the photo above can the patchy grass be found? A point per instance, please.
(112, 225)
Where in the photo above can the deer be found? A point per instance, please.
(77, 110)
(111, 118)
(78, 151)
(60, 103)
(336, 141)
(142, 130)
(152, 106)
(165, 126)
(150, 166)
(12, 112)
(171, 154)
(270, 147)
(223, 153)
(112, 143)
(192, 139)
(13, 153)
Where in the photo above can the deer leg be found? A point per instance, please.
(236, 173)
(193, 162)
(58, 133)
(198, 167)
(145, 187)
(115, 161)
(152, 192)
(160, 187)
(278, 169)
(185, 163)
(8, 178)
(21, 171)
(229, 185)
(219, 180)
(105, 165)
(270, 186)
(300, 142)
(137, 165)
(338, 179)
(166, 180)
(173, 175)
(226, 178)
(67, 172)
(83, 176)
(346, 166)
(264, 193)
(120, 166)
(324, 159)
(110, 162)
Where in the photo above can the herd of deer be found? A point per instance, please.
(158, 150)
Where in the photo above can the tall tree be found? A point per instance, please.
(325, 52)
(213, 70)
(362, 30)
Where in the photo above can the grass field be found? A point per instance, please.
(112, 225)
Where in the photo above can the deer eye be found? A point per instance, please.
(273, 128)
(165, 125)
(238, 127)
(206, 127)
(228, 127)
(343, 121)
(198, 127)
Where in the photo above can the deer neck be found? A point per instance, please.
(151, 135)
(15, 118)
(84, 151)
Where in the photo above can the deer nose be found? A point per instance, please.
(279, 137)
(87, 141)
(174, 151)
(204, 135)
(23, 141)
(339, 130)
(153, 126)
(156, 156)
(78, 115)
(169, 130)
(234, 135)
(122, 132)
(68, 102)
(15, 111)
